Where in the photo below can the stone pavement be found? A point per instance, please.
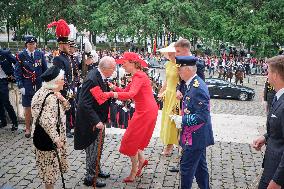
(232, 163)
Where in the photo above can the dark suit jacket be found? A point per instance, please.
(274, 154)
(89, 112)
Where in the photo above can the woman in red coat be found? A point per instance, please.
(142, 124)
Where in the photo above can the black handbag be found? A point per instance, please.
(41, 139)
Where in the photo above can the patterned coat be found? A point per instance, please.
(46, 161)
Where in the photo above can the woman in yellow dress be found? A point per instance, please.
(169, 132)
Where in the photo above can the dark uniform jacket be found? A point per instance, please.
(6, 62)
(89, 112)
(196, 120)
(274, 154)
(63, 62)
(28, 71)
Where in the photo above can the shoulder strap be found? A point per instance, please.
(58, 118)
(37, 120)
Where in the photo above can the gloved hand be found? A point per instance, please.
(177, 119)
(23, 91)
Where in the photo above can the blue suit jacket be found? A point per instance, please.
(196, 120)
(26, 68)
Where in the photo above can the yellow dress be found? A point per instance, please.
(169, 132)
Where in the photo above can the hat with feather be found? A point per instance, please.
(62, 31)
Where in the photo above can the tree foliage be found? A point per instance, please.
(253, 24)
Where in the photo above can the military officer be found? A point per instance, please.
(31, 64)
(196, 132)
(6, 73)
(63, 61)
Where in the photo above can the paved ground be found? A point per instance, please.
(232, 162)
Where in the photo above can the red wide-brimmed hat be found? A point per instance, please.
(131, 56)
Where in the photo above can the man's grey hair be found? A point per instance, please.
(106, 62)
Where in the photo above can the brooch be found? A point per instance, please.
(196, 83)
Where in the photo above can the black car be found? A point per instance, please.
(223, 89)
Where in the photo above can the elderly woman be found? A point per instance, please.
(47, 161)
(141, 126)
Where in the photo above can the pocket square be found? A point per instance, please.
(273, 116)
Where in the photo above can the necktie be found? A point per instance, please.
(32, 56)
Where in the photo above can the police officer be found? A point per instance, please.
(6, 73)
(31, 64)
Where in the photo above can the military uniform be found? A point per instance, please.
(196, 132)
(28, 69)
(6, 72)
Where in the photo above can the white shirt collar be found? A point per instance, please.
(280, 93)
(29, 52)
(103, 76)
(190, 79)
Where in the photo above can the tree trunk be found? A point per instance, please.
(8, 31)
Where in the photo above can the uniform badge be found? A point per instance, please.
(187, 98)
(196, 83)
(186, 111)
(200, 103)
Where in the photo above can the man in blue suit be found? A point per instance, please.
(196, 132)
(6, 72)
(273, 163)
(31, 64)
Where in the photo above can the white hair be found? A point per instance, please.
(52, 84)
(106, 62)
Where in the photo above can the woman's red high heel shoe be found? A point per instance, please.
(128, 180)
(139, 172)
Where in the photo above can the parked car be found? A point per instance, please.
(224, 89)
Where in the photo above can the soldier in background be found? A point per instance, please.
(6, 74)
(31, 64)
(268, 95)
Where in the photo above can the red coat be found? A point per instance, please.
(142, 124)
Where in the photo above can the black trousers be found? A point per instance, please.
(5, 103)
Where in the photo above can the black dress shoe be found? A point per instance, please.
(3, 124)
(103, 175)
(100, 184)
(174, 169)
(14, 127)
(89, 182)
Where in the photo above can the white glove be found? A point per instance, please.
(22, 91)
(177, 119)
(118, 102)
(124, 109)
(132, 105)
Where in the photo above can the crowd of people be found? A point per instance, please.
(57, 98)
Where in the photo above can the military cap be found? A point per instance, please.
(30, 39)
(50, 74)
(186, 61)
